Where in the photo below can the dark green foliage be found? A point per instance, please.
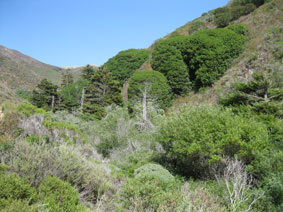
(259, 93)
(87, 72)
(203, 57)
(14, 188)
(168, 60)
(123, 65)
(101, 91)
(238, 11)
(45, 95)
(59, 196)
(156, 85)
(67, 78)
(198, 137)
(222, 19)
(239, 29)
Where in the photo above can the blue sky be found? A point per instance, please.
(80, 32)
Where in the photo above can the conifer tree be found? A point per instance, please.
(101, 91)
(87, 72)
(67, 78)
(45, 96)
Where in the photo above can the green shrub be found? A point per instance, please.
(155, 85)
(10, 205)
(29, 110)
(16, 188)
(198, 137)
(239, 29)
(149, 194)
(59, 195)
(196, 26)
(168, 60)
(126, 62)
(154, 171)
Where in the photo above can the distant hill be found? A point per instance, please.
(19, 71)
(76, 70)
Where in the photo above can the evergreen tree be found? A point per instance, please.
(67, 78)
(87, 72)
(101, 91)
(45, 96)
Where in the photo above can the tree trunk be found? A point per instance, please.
(82, 99)
(144, 109)
(52, 103)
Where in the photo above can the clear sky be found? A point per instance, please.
(80, 32)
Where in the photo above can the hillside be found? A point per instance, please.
(262, 52)
(18, 71)
(200, 127)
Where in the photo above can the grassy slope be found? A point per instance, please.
(257, 56)
(18, 71)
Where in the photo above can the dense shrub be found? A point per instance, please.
(201, 58)
(198, 137)
(125, 63)
(59, 195)
(10, 205)
(16, 188)
(168, 60)
(149, 194)
(155, 85)
(154, 171)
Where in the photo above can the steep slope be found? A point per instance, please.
(262, 52)
(18, 71)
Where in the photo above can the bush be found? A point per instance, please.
(198, 137)
(126, 62)
(154, 171)
(10, 205)
(15, 188)
(59, 195)
(148, 194)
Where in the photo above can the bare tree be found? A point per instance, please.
(238, 185)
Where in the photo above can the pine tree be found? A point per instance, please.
(45, 96)
(102, 91)
(67, 78)
(87, 72)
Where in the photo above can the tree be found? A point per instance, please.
(101, 91)
(67, 78)
(123, 65)
(149, 87)
(87, 72)
(45, 96)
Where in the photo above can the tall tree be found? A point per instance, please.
(87, 72)
(45, 96)
(67, 78)
(101, 91)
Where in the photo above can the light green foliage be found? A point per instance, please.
(149, 194)
(36, 161)
(59, 196)
(15, 188)
(154, 171)
(72, 94)
(29, 110)
(10, 205)
(155, 85)
(197, 137)
(123, 65)
(239, 29)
